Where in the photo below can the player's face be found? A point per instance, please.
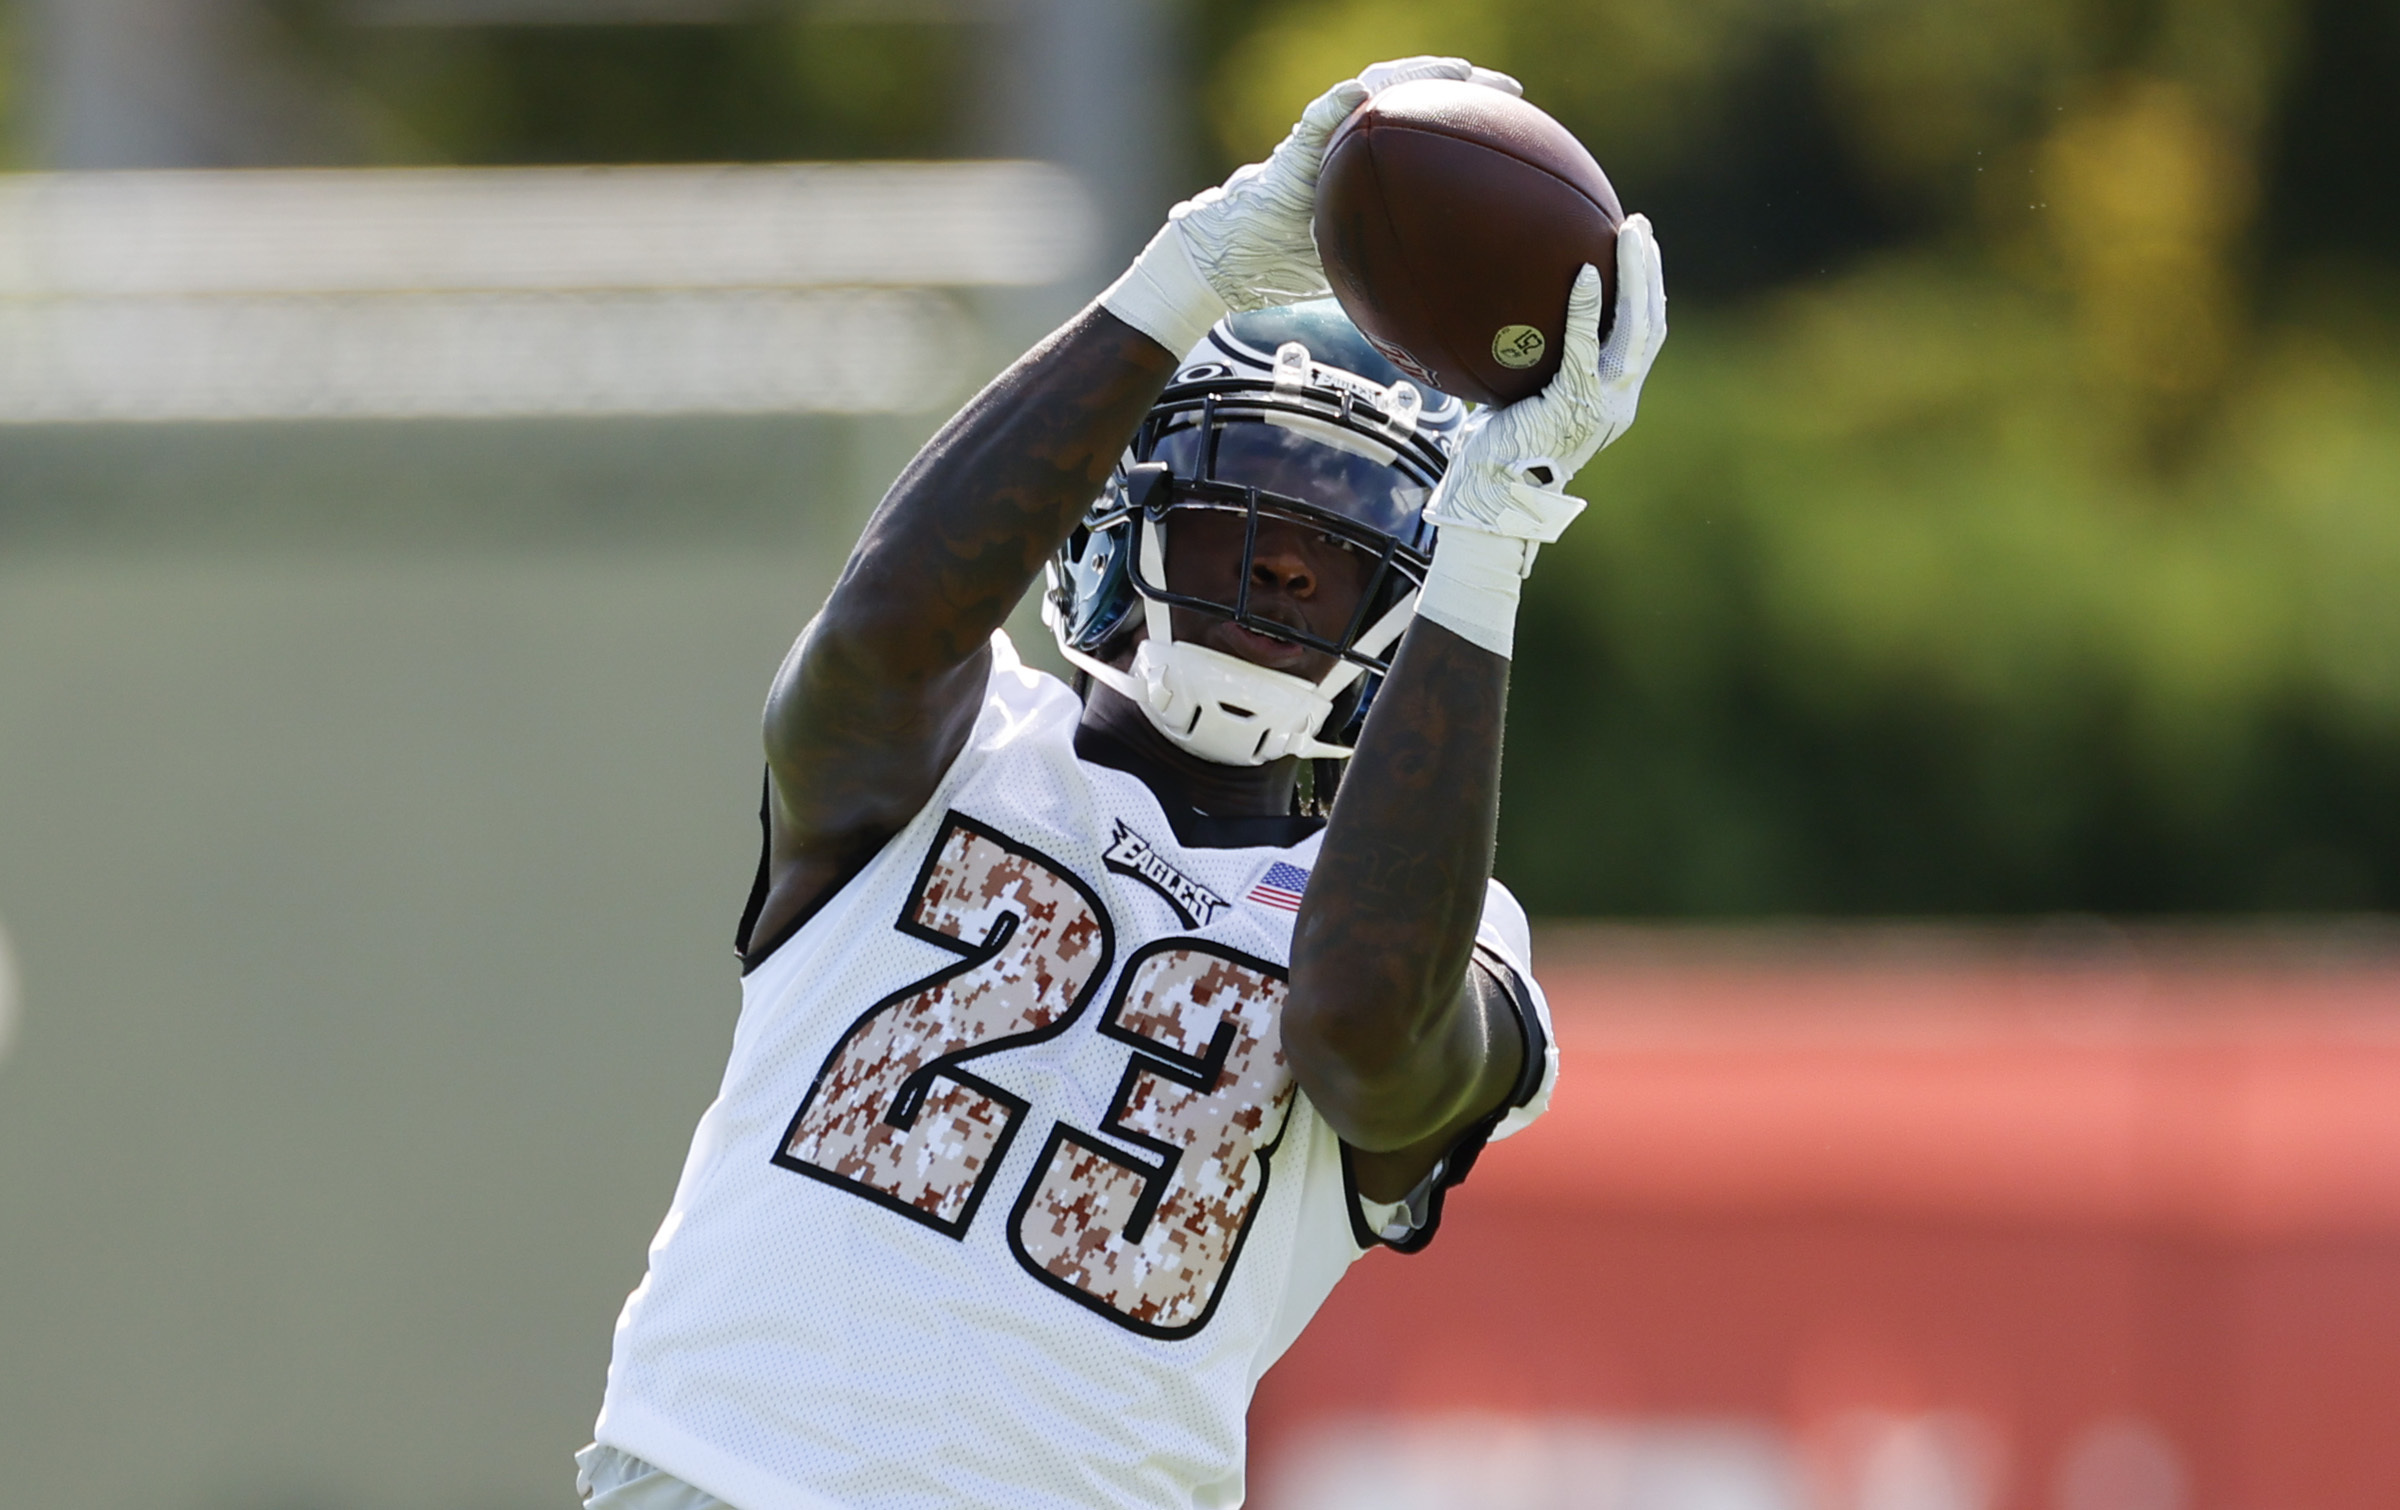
(1297, 575)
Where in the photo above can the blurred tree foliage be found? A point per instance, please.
(791, 82)
(2014, 523)
(16, 132)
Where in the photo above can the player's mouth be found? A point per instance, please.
(1259, 649)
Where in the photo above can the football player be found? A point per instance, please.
(1085, 1041)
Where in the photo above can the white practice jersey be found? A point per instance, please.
(1008, 1196)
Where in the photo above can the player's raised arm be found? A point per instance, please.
(881, 690)
(882, 687)
(1399, 1046)
(879, 694)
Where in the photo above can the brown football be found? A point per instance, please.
(1452, 219)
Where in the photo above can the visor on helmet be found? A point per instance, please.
(1294, 458)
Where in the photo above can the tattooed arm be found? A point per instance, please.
(878, 696)
(1399, 1044)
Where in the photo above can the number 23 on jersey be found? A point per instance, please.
(1140, 1219)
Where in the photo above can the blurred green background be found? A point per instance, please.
(2014, 520)
(2008, 531)
(2012, 527)
(2015, 526)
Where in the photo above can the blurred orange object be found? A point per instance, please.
(1924, 1221)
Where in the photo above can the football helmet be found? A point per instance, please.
(1282, 414)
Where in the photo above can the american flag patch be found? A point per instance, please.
(1280, 887)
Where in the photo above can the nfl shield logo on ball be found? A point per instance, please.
(1517, 346)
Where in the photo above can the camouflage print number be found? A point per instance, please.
(1148, 1241)
(893, 1116)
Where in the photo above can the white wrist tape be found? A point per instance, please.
(1471, 589)
(1163, 295)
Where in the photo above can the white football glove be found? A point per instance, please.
(1511, 469)
(1504, 496)
(1249, 244)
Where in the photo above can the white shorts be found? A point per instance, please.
(612, 1480)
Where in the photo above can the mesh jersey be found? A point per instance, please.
(1007, 1197)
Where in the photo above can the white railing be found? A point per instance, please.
(405, 292)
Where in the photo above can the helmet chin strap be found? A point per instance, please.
(1221, 707)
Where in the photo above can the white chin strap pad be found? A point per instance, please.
(1222, 708)
(1218, 706)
